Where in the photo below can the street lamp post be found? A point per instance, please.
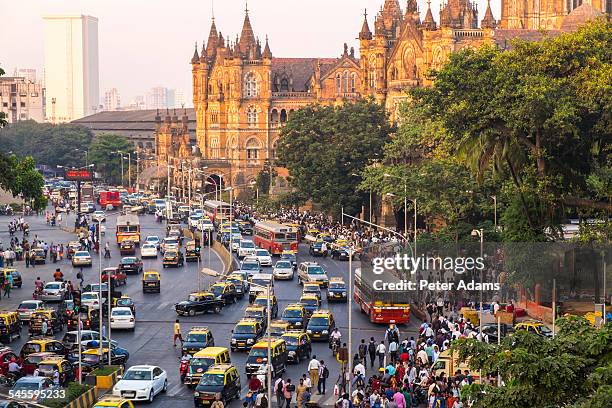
(100, 308)
(480, 233)
(129, 157)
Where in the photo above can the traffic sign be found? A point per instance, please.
(78, 175)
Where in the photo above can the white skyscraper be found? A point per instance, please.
(71, 67)
(179, 98)
(112, 100)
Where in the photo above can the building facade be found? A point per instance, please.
(547, 14)
(21, 99)
(112, 100)
(71, 67)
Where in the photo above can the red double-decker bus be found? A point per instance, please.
(110, 198)
(381, 306)
(217, 211)
(275, 237)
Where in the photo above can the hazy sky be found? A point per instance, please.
(146, 43)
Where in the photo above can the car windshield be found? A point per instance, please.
(128, 260)
(319, 321)
(47, 367)
(262, 252)
(283, 264)
(152, 239)
(244, 329)
(31, 348)
(148, 246)
(170, 254)
(337, 285)
(290, 257)
(545, 329)
(52, 286)
(29, 385)
(261, 281)
(315, 270)
(217, 290)
(258, 352)
(292, 313)
(124, 302)
(137, 375)
(290, 340)
(196, 338)
(255, 314)
(247, 244)
(212, 379)
(31, 306)
(249, 266)
(151, 278)
(89, 296)
(202, 362)
(309, 302)
(116, 312)
(171, 241)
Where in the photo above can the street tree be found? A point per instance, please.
(103, 153)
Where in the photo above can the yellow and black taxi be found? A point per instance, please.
(219, 381)
(198, 338)
(258, 356)
(127, 247)
(15, 275)
(239, 284)
(336, 291)
(199, 302)
(90, 319)
(299, 346)
(310, 302)
(110, 401)
(37, 256)
(245, 227)
(320, 325)
(47, 367)
(295, 315)
(151, 282)
(245, 334)
(535, 327)
(43, 345)
(225, 291)
(126, 301)
(10, 326)
(48, 318)
(262, 300)
(316, 249)
(73, 246)
(192, 251)
(92, 359)
(201, 361)
(256, 312)
(173, 257)
(312, 288)
(278, 327)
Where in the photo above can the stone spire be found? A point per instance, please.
(411, 7)
(365, 33)
(203, 53)
(429, 22)
(267, 53)
(488, 21)
(213, 39)
(196, 58)
(247, 38)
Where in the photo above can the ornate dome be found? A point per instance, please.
(579, 16)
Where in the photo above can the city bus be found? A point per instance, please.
(381, 306)
(110, 198)
(275, 237)
(128, 228)
(217, 211)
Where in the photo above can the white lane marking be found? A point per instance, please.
(162, 305)
(175, 390)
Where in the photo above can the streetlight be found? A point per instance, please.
(480, 233)
(405, 209)
(129, 157)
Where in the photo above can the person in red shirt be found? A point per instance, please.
(254, 384)
(375, 383)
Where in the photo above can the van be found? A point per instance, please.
(220, 379)
(258, 356)
(203, 360)
(449, 364)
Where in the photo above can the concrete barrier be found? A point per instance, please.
(229, 263)
(85, 400)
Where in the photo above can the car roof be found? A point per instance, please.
(220, 368)
(210, 351)
(31, 379)
(142, 367)
(322, 312)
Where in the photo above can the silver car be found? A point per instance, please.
(26, 308)
(54, 292)
(283, 270)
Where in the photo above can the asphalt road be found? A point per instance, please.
(151, 342)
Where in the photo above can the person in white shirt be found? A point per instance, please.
(313, 370)
(359, 369)
(381, 350)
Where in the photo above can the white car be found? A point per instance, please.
(169, 243)
(54, 292)
(81, 258)
(148, 251)
(141, 383)
(91, 300)
(152, 239)
(206, 225)
(247, 247)
(122, 318)
(235, 244)
(263, 256)
(26, 308)
(99, 215)
(194, 219)
(283, 270)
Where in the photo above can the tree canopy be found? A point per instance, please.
(324, 146)
(103, 153)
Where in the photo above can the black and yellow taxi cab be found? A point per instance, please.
(192, 251)
(92, 359)
(219, 381)
(37, 256)
(198, 338)
(225, 291)
(336, 291)
(50, 316)
(310, 302)
(90, 319)
(151, 282)
(245, 334)
(111, 401)
(320, 325)
(295, 315)
(173, 257)
(312, 288)
(15, 275)
(47, 367)
(239, 284)
(299, 346)
(201, 361)
(535, 327)
(278, 327)
(256, 312)
(258, 356)
(72, 247)
(43, 345)
(262, 300)
(10, 326)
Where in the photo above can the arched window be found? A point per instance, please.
(250, 85)
(214, 147)
(338, 84)
(353, 82)
(252, 149)
(283, 116)
(274, 117)
(251, 116)
(345, 82)
(284, 85)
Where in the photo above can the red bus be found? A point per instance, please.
(110, 198)
(275, 237)
(381, 306)
(217, 211)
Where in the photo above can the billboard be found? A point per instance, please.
(78, 175)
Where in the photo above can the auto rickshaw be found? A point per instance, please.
(10, 326)
(90, 319)
(14, 273)
(54, 324)
(192, 251)
(126, 301)
(151, 282)
(471, 315)
(73, 246)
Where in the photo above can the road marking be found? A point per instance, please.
(175, 390)
(162, 305)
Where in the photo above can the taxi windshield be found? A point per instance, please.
(261, 282)
(249, 266)
(89, 296)
(545, 329)
(31, 348)
(151, 278)
(245, 329)
(309, 302)
(128, 261)
(195, 298)
(196, 337)
(337, 285)
(292, 313)
(315, 270)
(47, 368)
(258, 352)
(254, 313)
(290, 340)
(217, 290)
(319, 321)
(212, 379)
(247, 244)
(202, 362)
(29, 305)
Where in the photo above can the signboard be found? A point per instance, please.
(78, 175)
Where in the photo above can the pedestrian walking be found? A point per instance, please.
(288, 392)
(26, 255)
(372, 351)
(313, 370)
(7, 287)
(323, 376)
(279, 388)
(381, 350)
(177, 333)
(362, 351)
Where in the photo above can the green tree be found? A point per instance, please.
(324, 146)
(102, 152)
(265, 177)
(573, 369)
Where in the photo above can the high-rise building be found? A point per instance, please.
(27, 73)
(21, 99)
(112, 100)
(71, 67)
(179, 98)
(157, 98)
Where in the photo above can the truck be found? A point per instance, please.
(381, 306)
(87, 193)
(110, 199)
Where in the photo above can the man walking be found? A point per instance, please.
(313, 370)
(372, 351)
(279, 387)
(323, 375)
(177, 333)
(380, 351)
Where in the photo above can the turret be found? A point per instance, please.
(247, 38)
(428, 22)
(267, 53)
(196, 58)
(365, 33)
(488, 21)
(213, 39)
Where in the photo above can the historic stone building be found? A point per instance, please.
(549, 14)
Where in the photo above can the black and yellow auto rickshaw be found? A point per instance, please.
(192, 250)
(90, 319)
(40, 317)
(14, 274)
(151, 282)
(10, 326)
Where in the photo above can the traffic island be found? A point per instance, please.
(77, 396)
(104, 378)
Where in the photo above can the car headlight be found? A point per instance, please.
(292, 353)
(298, 323)
(324, 332)
(196, 394)
(343, 293)
(250, 340)
(309, 331)
(143, 389)
(233, 340)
